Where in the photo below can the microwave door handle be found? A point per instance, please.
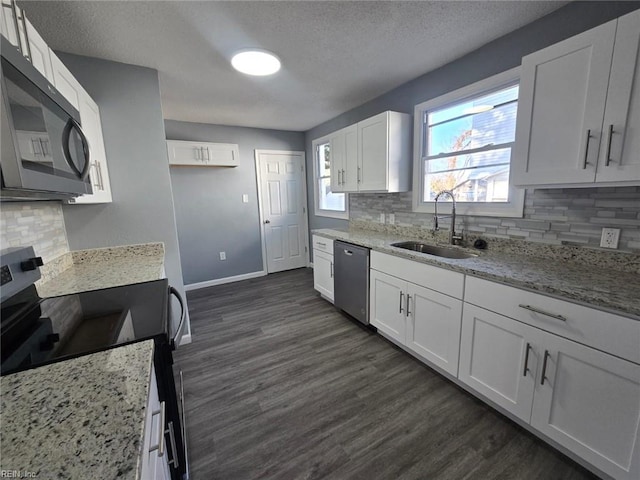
(66, 138)
(183, 314)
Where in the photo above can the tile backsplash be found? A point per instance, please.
(553, 216)
(40, 224)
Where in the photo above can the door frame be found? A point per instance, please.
(305, 206)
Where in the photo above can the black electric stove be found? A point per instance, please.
(37, 331)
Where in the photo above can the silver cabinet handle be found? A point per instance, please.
(331, 267)
(101, 178)
(408, 300)
(197, 152)
(586, 150)
(320, 243)
(96, 178)
(343, 177)
(401, 296)
(14, 11)
(160, 445)
(37, 146)
(526, 360)
(172, 439)
(26, 36)
(339, 172)
(206, 157)
(542, 312)
(608, 160)
(358, 175)
(544, 367)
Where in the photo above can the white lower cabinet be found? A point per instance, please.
(493, 359)
(426, 322)
(590, 403)
(154, 465)
(323, 273)
(584, 399)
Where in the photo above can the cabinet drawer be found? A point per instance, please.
(608, 332)
(438, 279)
(323, 244)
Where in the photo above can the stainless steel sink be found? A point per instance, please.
(434, 250)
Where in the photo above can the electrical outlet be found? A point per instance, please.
(382, 218)
(610, 237)
(223, 255)
(392, 218)
(245, 198)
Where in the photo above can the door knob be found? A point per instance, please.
(267, 221)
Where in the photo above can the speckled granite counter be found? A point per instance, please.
(82, 418)
(614, 291)
(84, 270)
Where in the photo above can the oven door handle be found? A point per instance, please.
(183, 314)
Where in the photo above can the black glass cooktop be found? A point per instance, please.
(38, 331)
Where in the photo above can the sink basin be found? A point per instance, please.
(434, 250)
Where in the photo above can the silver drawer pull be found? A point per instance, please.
(320, 243)
(172, 439)
(160, 445)
(542, 312)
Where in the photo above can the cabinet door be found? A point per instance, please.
(336, 155)
(7, 24)
(619, 158)
(350, 162)
(185, 153)
(40, 53)
(323, 273)
(65, 82)
(387, 300)
(498, 358)
(590, 403)
(373, 150)
(433, 328)
(99, 170)
(221, 154)
(563, 90)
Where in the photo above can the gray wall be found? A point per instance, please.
(133, 129)
(210, 214)
(502, 54)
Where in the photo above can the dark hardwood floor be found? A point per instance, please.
(281, 385)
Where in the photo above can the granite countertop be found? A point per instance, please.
(615, 291)
(84, 270)
(81, 418)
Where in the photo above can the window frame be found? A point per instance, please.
(515, 206)
(316, 193)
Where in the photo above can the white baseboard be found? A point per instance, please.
(222, 281)
(310, 264)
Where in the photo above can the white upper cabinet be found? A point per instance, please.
(344, 159)
(39, 52)
(8, 27)
(202, 154)
(619, 158)
(570, 95)
(71, 89)
(373, 155)
(99, 171)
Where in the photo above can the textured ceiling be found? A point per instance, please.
(335, 55)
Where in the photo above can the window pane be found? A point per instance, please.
(465, 160)
(328, 200)
(495, 98)
(324, 160)
(496, 126)
(485, 184)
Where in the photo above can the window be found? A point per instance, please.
(327, 203)
(464, 145)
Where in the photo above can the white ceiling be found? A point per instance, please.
(335, 55)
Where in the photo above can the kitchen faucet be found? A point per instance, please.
(453, 238)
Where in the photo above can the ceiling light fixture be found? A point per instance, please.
(477, 109)
(256, 62)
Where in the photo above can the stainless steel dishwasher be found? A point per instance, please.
(351, 279)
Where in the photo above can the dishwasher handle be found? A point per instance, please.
(347, 252)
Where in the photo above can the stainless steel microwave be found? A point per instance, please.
(45, 153)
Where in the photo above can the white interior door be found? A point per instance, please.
(283, 209)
